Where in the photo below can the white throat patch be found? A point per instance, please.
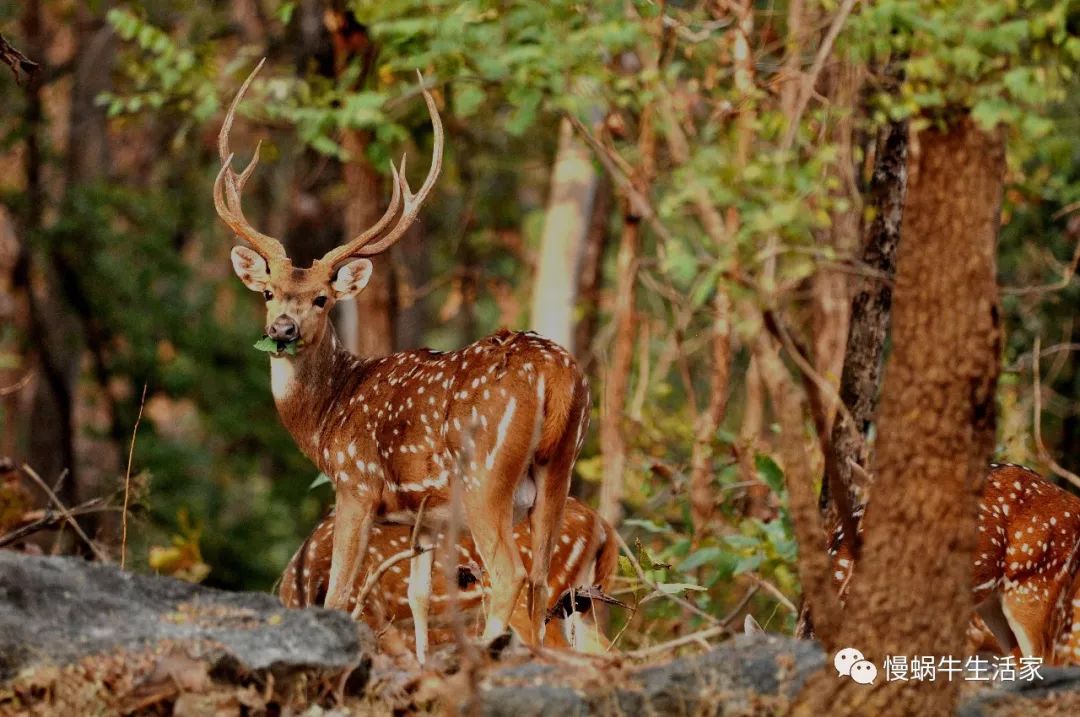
(282, 377)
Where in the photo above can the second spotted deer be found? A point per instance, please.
(584, 559)
(1026, 569)
(505, 416)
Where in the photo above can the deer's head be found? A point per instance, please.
(298, 300)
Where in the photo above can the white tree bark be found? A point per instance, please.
(566, 225)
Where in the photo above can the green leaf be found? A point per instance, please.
(321, 479)
(677, 588)
(750, 562)
(770, 472)
(271, 346)
(647, 525)
(702, 556)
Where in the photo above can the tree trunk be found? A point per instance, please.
(702, 491)
(592, 274)
(870, 313)
(562, 244)
(936, 431)
(617, 379)
(366, 325)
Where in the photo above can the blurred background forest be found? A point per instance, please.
(641, 181)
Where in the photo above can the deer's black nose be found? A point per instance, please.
(283, 329)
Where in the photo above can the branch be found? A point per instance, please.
(1037, 410)
(18, 62)
(810, 79)
(65, 513)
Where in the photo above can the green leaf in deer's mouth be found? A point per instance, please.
(274, 346)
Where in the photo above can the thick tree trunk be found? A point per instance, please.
(936, 430)
(562, 243)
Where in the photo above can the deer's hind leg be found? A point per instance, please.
(552, 475)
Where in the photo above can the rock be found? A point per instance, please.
(59, 610)
(744, 676)
(1058, 693)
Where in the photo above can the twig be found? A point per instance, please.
(774, 591)
(65, 512)
(127, 482)
(1067, 275)
(701, 635)
(639, 203)
(1044, 454)
(643, 578)
(50, 519)
(373, 579)
(810, 79)
(17, 386)
(18, 62)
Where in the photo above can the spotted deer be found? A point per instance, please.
(1026, 571)
(505, 416)
(585, 556)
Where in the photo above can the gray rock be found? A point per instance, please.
(59, 610)
(733, 679)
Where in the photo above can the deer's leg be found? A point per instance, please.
(489, 514)
(546, 519)
(419, 595)
(1028, 621)
(352, 528)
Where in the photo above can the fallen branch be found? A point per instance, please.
(47, 519)
(98, 553)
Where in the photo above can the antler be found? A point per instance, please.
(361, 245)
(229, 185)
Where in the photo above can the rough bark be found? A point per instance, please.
(870, 315)
(562, 242)
(936, 429)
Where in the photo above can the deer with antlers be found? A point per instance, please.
(505, 416)
(1026, 571)
(585, 556)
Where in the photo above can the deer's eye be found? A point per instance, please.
(320, 301)
(267, 294)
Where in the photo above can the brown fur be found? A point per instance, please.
(1026, 571)
(305, 579)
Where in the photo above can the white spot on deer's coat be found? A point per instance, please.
(500, 434)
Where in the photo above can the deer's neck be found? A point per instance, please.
(306, 388)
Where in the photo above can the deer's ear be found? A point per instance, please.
(351, 279)
(251, 268)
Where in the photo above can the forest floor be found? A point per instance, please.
(78, 638)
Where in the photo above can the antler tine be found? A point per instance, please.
(413, 202)
(229, 185)
(360, 246)
(337, 254)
